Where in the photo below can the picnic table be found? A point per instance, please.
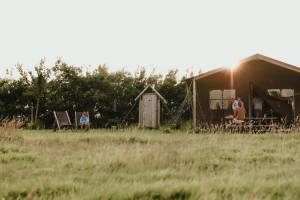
(262, 124)
(253, 125)
(271, 119)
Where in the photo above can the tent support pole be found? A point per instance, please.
(250, 99)
(194, 103)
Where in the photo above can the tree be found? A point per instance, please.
(104, 94)
(37, 84)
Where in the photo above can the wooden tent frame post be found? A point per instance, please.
(194, 103)
(250, 98)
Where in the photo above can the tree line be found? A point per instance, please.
(105, 95)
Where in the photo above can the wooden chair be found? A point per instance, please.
(62, 120)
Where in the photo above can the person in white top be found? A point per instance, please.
(235, 104)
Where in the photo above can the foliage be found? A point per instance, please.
(106, 95)
(36, 87)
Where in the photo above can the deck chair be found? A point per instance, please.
(77, 118)
(62, 120)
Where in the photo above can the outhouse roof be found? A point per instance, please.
(154, 90)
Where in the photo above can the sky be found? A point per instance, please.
(190, 35)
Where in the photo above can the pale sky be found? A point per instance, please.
(165, 34)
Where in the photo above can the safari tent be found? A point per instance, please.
(268, 87)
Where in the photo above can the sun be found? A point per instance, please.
(233, 67)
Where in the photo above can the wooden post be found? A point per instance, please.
(140, 112)
(32, 118)
(56, 119)
(250, 97)
(293, 107)
(158, 112)
(194, 103)
(68, 118)
(76, 124)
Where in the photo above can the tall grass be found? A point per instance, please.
(9, 129)
(149, 165)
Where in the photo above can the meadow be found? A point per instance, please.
(148, 164)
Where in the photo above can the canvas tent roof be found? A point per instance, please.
(151, 87)
(248, 59)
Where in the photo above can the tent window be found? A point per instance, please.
(287, 92)
(215, 99)
(228, 95)
(221, 99)
(281, 92)
(258, 103)
(274, 92)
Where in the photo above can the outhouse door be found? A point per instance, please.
(150, 116)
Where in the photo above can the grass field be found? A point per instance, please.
(139, 164)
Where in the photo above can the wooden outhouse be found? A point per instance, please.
(149, 107)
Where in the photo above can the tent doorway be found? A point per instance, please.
(266, 103)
